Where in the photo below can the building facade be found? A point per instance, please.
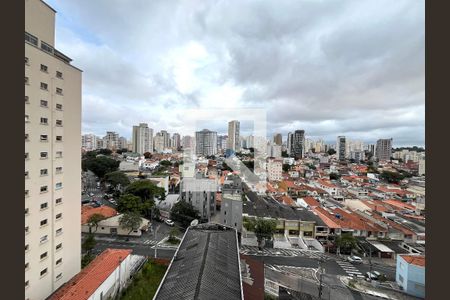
(341, 148)
(274, 169)
(278, 139)
(410, 274)
(142, 138)
(176, 141)
(234, 142)
(111, 140)
(298, 144)
(201, 193)
(231, 211)
(52, 157)
(206, 142)
(89, 142)
(383, 149)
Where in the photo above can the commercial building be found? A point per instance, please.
(234, 142)
(298, 144)
(222, 142)
(142, 139)
(410, 274)
(205, 142)
(166, 139)
(205, 266)
(201, 193)
(383, 149)
(52, 149)
(341, 148)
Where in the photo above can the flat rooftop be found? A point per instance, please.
(205, 266)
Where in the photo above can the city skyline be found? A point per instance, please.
(345, 83)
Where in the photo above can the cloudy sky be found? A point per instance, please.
(353, 68)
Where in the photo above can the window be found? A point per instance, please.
(27, 118)
(31, 39)
(59, 138)
(400, 277)
(59, 276)
(59, 231)
(59, 185)
(59, 246)
(27, 100)
(27, 211)
(27, 229)
(59, 106)
(59, 154)
(44, 138)
(44, 222)
(27, 80)
(59, 91)
(44, 205)
(27, 61)
(44, 189)
(44, 103)
(58, 200)
(44, 86)
(27, 247)
(26, 136)
(43, 255)
(27, 265)
(59, 261)
(26, 193)
(58, 216)
(27, 156)
(44, 68)
(58, 122)
(58, 170)
(44, 239)
(44, 172)
(44, 155)
(46, 47)
(59, 74)
(44, 272)
(27, 283)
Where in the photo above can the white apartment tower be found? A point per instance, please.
(52, 157)
(111, 140)
(89, 142)
(142, 138)
(234, 142)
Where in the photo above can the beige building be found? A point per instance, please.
(52, 157)
(275, 169)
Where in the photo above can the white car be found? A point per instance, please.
(355, 259)
(169, 222)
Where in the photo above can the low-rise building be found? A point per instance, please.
(274, 169)
(112, 226)
(410, 274)
(231, 211)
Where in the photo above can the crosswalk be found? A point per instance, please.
(349, 269)
(150, 242)
(253, 250)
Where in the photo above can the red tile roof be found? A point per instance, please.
(418, 260)
(85, 283)
(288, 201)
(256, 289)
(87, 211)
(399, 204)
(311, 201)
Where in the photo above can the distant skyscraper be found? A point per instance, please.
(278, 139)
(166, 138)
(234, 142)
(222, 142)
(111, 140)
(206, 142)
(298, 143)
(176, 141)
(341, 147)
(158, 142)
(383, 150)
(188, 142)
(142, 138)
(290, 144)
(89, 142)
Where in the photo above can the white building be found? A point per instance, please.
(234, 142)
(158, 142)
(52, 157)
(176, 141)
(111, 140)
(206, 142)
(201, 193)
(422, 166)
(142, 139)
(274, 169)
(89, 142)
(274, 151)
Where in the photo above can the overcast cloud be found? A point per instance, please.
(353, 68)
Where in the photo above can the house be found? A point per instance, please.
(103, 278)
(307, 202)
(88, 211)
(410, 274)
(112, 226)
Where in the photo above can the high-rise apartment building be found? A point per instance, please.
(201, 193)
(111, 140)
(290, 144)
(383, 149)
(89, 142)
(158, 142)
(122, 143)
(176, 141)
(278, 139)
(188, 142)
(298, 144)
(234, 142)
(222, 142)
(206, 142)
(341, 147)
(52, 157)
(166, 139)
(142, 138)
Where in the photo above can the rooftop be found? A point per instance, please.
(418, 260)
(205, 266)
(88, 211)
(82, 285)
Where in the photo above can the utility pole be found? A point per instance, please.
(156, 246)
(320, 279)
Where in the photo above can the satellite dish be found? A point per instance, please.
(194, 222)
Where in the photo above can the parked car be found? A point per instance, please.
(91, 194)
(355, 259)
(371, 276)
(169, 222)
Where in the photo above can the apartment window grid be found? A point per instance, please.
(27, 247)
(27, 211)
(44, 255)
(44, 189)
(58, 216)
(58, 185)
(27, 229)
(27, 155)
(59, 106)
(44, 155)
(46, 47)
(27, 265)
(43, 222)
(26, 137)
(59, 276)
(59, 170)
(59, 231)
(27, 61)
(58, 247)
(59, 261)
(44, 239)
(44, 68)
(44, 121)
(59, 123)
(59, 138)
(27, 283)
(59, 154)
(44, 272)
(27, 119)
(27, 174)
(44, 138)
(44, 103)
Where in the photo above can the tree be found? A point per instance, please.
(88, 244)
(173, 236)
(392, 177)
(165, 163)
(100, 165)
(130, 220)
(105, 151)
(284, 153)
(286, 167)
(128, 203)
(184, 213)
(262, 228)
(94, 220)
(146, 191)
(334, 176)
(346, 242)
(147, 155)
(331, 151)
(116, 179)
